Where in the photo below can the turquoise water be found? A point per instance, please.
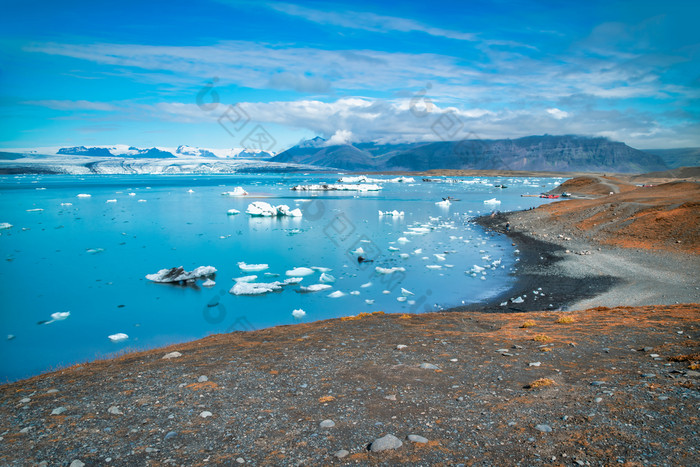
(90, 258)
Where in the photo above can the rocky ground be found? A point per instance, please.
(594, 387)
(600, 386)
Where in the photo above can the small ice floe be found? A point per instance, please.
(66, 204)
(111, 201)
(439, 256)
(433, 266)
(417, 231)
(355, 292)
(132, 194)
(359, 251)
(393, 213)
(477, 269)
(517, 300)
(118, 337)
(255, 288)
(245, 278)
(365, 285)
(208, 283)
(445, 203)
(492, 202)
(298, 314)
(368, 301)
(321, 269)
(404, 255)
(263, 209)
(190, 190)
(84, 195)
(10, 337)
(286, 211)
(393, 248)
(418, 251)
(142, 201)
(338, 187)
(403, 240)
(35, 210)
(5, 225)
(386, 292)
(57, 316)
(237, 191)
(233, 212)
(293, 280)
(381, 270)
(175, 275)
(326, 278)
(302, 271)
(401, 299)
(252, 267)
(314, 288)
(336, 294)
(94, 251)
(405, 292)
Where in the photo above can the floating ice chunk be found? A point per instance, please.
(261, 209)
(477, 269)
(179, 274)
(93, 251)
(66, 204)
(359, 251)
(492, 202)
(300, 272)
(255, 288)
(132, 194)
(417, 231)
(368, 284)
(314, 288)
(393, 248)
(439, 256)
(84, 195)
(418, 251)
(118, 337)
(295, 213)
(483, 278)
(336, 294)
(111, 201)
(403, 240)
(321, 269)
(298, 314)
(245, 278)
(404, 255)
(142, 201)
(393, 213)
(252, 267)
(237, 191)
(433, 266)
(35, 210)
(405, 292)
(411, 302)
(233, 212)
(338, 187)
(517, 300)
(401, 299)
(326, 278)
(386, 292)
(208, 283)
(381, 270)
(190, 190)
(355, 292)
(5, 225)
(368, 301)
(59, 316)
(293, 280)
(504, 303)
(444, 203)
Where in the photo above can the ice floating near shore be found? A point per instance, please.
(338, 187)
(118, 337)
(381, 270)
(336, 294)
(300, 272)
(238, 191)
(298, 314)
(252, 267)
(208, 283)
(314, 288)
(263, 209)
(364, 179)
(5, 225)
(233, 212)
(179, 274)
(255, 288)
(444, 203)
(326, 278)
(492, 202)
(393, 213)
(84, 195)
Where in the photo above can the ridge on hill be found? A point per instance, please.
(540, 153)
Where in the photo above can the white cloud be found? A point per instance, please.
(557, 113)
(340, 137)
(73, 105)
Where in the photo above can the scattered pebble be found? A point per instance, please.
(206, 414)
(386, 443)
(202, 379)
(417, 439)
(58, 411)
(170, 355)
(429, 366)
(341, 454)
(114, 410)
(543, 428)
(327, 424)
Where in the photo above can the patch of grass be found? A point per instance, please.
(528, 324)
(691, 357)
(694, 366)
(540, 383)
(405, 316)
(546, 349)
(541, 338)
(565, 320)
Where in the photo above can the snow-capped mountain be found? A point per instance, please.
(126, 151)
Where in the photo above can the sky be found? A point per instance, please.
(266, 75)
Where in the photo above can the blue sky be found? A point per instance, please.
(127, 72)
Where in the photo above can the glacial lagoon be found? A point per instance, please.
(74, 267)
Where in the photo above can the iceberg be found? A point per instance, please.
(174, 275)
(492, 202)
(238, 191)
(252, 267)
(111, 201)
(439, 256)
(355, 292)
(338, 187)
(314, 288)
(404, 255)
(401, 299)
(368, 284)
(263, 209)
(118, 337)
(393, 213)
(298, 314)
(368, 301)
(245, 278)
(433, 266)
(300, 272)
(359, 251)
(84, 195)
(208, 283)
(517, 300)
(405, 292)
(326, 278)
(5, 225)
(66, 204)
(292, 280)
(403, 240)
(255, 288)
(233, 212)
(336, 294)
(444, 203)
(35, 210)
(381, 270)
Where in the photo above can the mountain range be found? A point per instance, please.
(550, 153)
(124, 151)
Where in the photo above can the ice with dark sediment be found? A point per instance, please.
(338, 187)
(178, 274)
